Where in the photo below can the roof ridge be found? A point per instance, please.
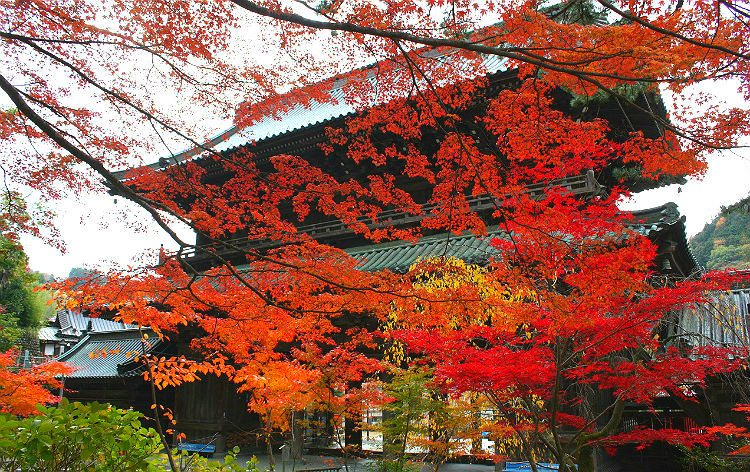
(448, 236)
(492, 65)
(74, 349)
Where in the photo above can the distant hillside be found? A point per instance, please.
(725, 242)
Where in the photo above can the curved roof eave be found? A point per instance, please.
(296, 119)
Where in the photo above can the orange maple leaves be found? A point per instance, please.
(22, 389)
(270, 306)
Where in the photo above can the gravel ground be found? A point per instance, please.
(356, 465)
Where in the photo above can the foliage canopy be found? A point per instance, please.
(568, 307)
(724, 242)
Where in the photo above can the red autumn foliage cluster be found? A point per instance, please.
(21, 390)
(567, 305)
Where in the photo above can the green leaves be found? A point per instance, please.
(191, 462)
(725, 242)
(73, 436)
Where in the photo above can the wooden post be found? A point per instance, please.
(391, 443)
(353, 432)
(298, 433)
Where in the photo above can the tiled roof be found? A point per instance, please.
(48, 333)
(654, 219)
(302, 117)
(299, 117)
(104, 354)
(398, 256)
(73, 322)
(666, 221)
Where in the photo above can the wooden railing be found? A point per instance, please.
(577, 185)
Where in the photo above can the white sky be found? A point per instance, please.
(727, 180)
(99, 233)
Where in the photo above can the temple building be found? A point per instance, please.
(211, 408)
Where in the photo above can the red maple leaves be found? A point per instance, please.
(565, 303)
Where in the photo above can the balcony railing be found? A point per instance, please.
(584, 184)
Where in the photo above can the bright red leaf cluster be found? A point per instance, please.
(463, 103)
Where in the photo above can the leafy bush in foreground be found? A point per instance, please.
(77, 437)
(187, 462)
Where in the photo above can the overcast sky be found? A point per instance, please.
(727, 180)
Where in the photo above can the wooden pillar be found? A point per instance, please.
(298, 433)
(221, 443)
(392, 444)
(330, 428)
(353, 422)
(221, 438)
(353, 431)
(312, 426)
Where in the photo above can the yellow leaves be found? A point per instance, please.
(395, 354)
(450, 294)
(438, 273)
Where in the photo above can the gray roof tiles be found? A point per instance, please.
(653, 219)
(73, 322)
(102, 354)
(398, 256)
(48, 333)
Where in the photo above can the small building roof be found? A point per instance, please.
(656, 218)
(107, 354)
(72, 322)
(666, 228)
(48, 333)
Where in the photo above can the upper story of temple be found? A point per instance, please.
(310, 128)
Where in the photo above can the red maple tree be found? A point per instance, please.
(567, 287)
(22, 389)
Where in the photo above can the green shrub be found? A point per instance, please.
(399, 465)
(187, 462)
(699, 459)
(77, 437)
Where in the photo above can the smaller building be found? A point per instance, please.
(69, 327)
(106, 370)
